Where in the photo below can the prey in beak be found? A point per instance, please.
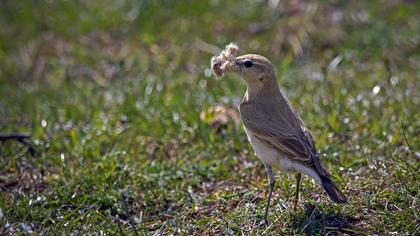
(225, 61)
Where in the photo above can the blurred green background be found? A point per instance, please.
(130, 133)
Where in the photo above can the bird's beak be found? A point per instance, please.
(234, 66)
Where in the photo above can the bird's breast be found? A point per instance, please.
(269, 155)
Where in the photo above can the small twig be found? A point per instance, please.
(227, 225)
(131, 221)
(324, 224)
(19, 137)
(406, 140)
(345, 230)
(206, 47)
(119, 225)
(308, 221)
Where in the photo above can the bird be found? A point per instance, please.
(279, 137)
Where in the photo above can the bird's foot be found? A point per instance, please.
(264, 223)
(283, 205)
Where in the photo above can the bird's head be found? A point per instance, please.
(256, 70)
(253, 68)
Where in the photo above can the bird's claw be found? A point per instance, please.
(263, 223)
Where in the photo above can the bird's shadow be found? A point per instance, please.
(317, 219)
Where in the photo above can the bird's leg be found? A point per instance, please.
(269, 171)
(298, 180)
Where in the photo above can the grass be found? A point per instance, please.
(112, 91)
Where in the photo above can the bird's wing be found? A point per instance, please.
(282, 133)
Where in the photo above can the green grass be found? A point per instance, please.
(112, 91)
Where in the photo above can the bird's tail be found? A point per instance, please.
(331, 189)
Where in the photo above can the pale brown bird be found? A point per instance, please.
(277, 134)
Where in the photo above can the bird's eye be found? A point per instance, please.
(248, 64)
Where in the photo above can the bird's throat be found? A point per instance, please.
(252, 92)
